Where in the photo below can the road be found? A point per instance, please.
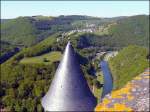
(108, 81)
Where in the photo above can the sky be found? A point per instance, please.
(13, 9)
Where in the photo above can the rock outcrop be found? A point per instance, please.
(134, 96)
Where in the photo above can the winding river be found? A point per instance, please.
(108, 81)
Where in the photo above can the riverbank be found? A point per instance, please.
(107, 77)
(98, 91)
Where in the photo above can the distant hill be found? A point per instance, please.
(28, 31)
(131, 30)
(125, 31)
(18, 31)
(4, 20)
(22, 30)
(129, 62)
(121, 31)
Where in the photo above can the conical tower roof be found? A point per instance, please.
(69, 90)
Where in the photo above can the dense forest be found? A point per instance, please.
(27, 74)
(29, 81)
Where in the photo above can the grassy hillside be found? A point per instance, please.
(45, 58)
(127, 64)
(39, 49)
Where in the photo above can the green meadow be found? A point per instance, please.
(45, 58)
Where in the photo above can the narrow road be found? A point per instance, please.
(108, 81)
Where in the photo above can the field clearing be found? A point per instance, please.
(47, 58)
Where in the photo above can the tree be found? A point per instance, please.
(97, 84)
(25, 88)
(45, 60)
(2, 91)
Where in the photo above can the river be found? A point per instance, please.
(108, 81)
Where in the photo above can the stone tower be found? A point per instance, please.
(69, 90)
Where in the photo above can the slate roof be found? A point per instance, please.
(69, 90)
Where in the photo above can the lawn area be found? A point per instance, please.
(45, 58)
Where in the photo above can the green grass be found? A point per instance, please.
(129, 62)
(100, 78)
(98, 92)
(50, 57)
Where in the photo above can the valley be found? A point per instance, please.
(41, 40)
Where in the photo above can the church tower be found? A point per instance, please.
(69, 90)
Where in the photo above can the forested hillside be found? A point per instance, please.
(122, 31)
(126, 31)
(18, 31)
(27, 31)
(26, 76)
(6, 47)
(24, 83)
(130, 62)
(131, 30)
